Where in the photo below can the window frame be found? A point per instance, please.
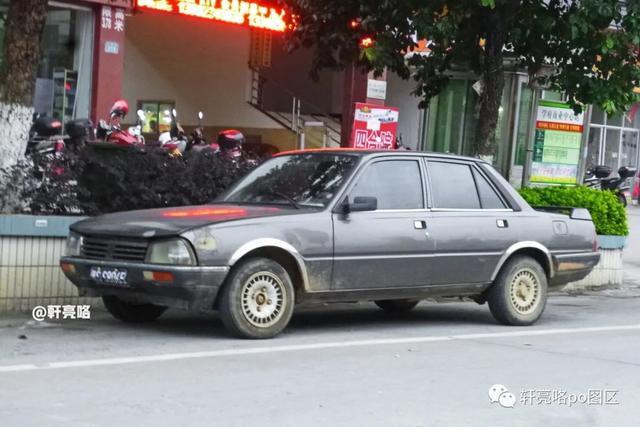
(474, 167)
(158, 103)
(362, 169)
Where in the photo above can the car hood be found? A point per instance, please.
(171, 221)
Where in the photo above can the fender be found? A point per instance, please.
(271, 243)
(523, 245)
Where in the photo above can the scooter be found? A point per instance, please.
(599, 177)
(198, 141)
(45, 135)
(78, 133)
(175, 140)
(112, 132)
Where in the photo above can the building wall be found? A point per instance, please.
(409, 120)
(200, 65)
(291, 72)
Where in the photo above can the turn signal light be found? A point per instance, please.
(158, 276)
(68, 268)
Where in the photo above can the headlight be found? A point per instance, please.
(74, 244)
(174, 251)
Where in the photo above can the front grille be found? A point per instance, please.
(114, 249)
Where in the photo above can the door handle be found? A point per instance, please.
(419, 224)
(502, 223)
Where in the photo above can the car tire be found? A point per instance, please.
(257, 299)
(131, 312)
(519, 294)
(397, 305)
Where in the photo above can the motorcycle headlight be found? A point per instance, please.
(175, 251)
(74, 244)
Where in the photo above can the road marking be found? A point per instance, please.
(306, 347)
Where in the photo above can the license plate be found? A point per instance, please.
(109, 275)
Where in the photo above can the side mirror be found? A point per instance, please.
(360, 204)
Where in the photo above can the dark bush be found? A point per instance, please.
(101, 180)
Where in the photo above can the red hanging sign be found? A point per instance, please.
(374, 127)
(239, 12)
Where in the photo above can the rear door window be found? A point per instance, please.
(453, 186)
(489, 199)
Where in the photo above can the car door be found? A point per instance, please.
(469, 222)
(386, 247)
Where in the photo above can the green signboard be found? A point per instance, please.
(556, 149)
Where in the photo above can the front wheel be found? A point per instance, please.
(130, 312)
(257, 300)
(519, 294)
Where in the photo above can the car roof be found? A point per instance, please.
(366, 153)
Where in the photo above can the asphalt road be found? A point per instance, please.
(350, 365)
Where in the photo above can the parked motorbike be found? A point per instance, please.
(599, 177)
(198, 141)
(230, 142)
(112, 131)
(45, 135)
(78, 133)
(175, 140)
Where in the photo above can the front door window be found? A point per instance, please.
(397, 184)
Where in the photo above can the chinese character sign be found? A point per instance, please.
(232, 11)
(556, 149)
(112, 19)
(106, 18)
(374, 127)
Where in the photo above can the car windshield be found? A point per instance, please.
(311, 179)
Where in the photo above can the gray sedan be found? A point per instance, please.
(335, 226)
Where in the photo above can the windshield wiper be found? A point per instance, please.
(289, 199)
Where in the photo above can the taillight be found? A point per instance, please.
(594, 245)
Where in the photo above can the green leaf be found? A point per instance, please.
(488, 3)
(610, 42)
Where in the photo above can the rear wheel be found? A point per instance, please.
(131, 312)
(258, 299)
(397, 305)
(519, 294)
(622, 199)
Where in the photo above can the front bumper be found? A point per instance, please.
(192, 288)
(573, 267)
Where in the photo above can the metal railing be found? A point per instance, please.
(291, 111)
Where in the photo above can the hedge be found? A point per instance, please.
(609, 216)
(101, 180)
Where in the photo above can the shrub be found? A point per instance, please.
(42, 184)
(102, 180)
(609, 216)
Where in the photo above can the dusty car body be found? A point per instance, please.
(335, 225)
